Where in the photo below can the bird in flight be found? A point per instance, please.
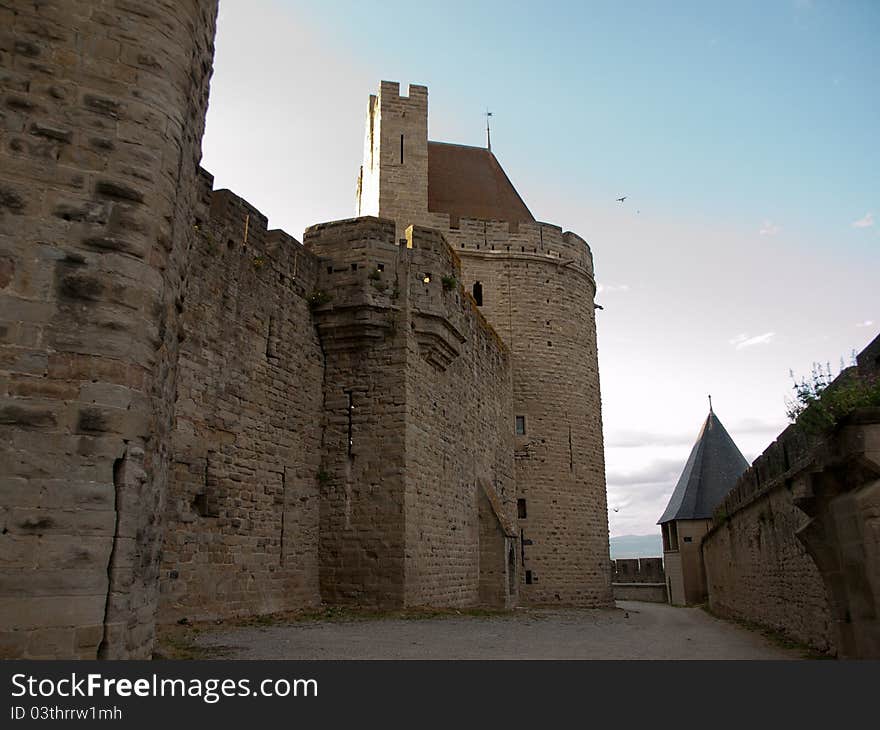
(620, 200)
(615, 509)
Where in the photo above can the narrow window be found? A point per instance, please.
(688, 539)
(529, 577)
(350, 422)
(478, 293)
(521, 508)
(520, 425)
(401, 149)
(380, 267)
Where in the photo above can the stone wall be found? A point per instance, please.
(757, 569)
(417, 404)
(101, 120)
(540, 302)
(459, 440)
(638, 570)
(638, 579)
(242, 508)
(538, 289)
(795, 545)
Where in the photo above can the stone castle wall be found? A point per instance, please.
(540, 301)
(417, 394)
(102, 115)
(757, 569)
(538, 288)
(794, 545)
(242, 508)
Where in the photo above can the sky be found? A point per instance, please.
(744, 135)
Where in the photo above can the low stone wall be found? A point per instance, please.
(638, 579)
(650, 592)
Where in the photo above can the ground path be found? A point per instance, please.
(633, 630)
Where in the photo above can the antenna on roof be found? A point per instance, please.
(710, 404)
(488, 132)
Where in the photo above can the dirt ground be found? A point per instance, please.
(633, 630)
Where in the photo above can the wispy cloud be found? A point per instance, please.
(865, 221)
(742, 341)
(607, 288)
(769, 229)
(866, 323)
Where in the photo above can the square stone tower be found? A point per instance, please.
(394, 176)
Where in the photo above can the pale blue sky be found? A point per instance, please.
(745, 135)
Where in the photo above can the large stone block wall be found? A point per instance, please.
(540, 302)
(795, 544)
(362, 481)
(101, 115)
(242, 508)
(417, 394)
(757, 569)
(538, 289)
(459, 440)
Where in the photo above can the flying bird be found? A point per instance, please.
(620, 200)
(615, 509)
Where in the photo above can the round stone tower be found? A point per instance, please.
(103, 108)
(535, 285)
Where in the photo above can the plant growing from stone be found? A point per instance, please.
(821, 401)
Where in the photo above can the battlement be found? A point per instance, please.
(502, 238)
(231, 226)
(390, 90)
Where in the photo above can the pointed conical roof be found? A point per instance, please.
(711, 471)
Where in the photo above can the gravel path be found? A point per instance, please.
(632, 631)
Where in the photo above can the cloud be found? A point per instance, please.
(658, 477)
(742, 341)
(611, 288)
(866, 323)
(769, 229)
(864, 222)
(634, 439)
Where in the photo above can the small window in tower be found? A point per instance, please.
(520, 425)
(478, 293)
(427, 278)
(380, 267)
(401, 149)
(354, 267)
(688, 539)
(521, 508)
(529, 577)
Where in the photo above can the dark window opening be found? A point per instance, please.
(401, 149)
(354, 267)
(521, 508)
(520, 425)
(688, 539)
(478, 293)
(329, 269)
(529, 577)
(380, 267)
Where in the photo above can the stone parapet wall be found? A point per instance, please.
(637, 570)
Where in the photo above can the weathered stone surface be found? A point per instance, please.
(75, 319)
